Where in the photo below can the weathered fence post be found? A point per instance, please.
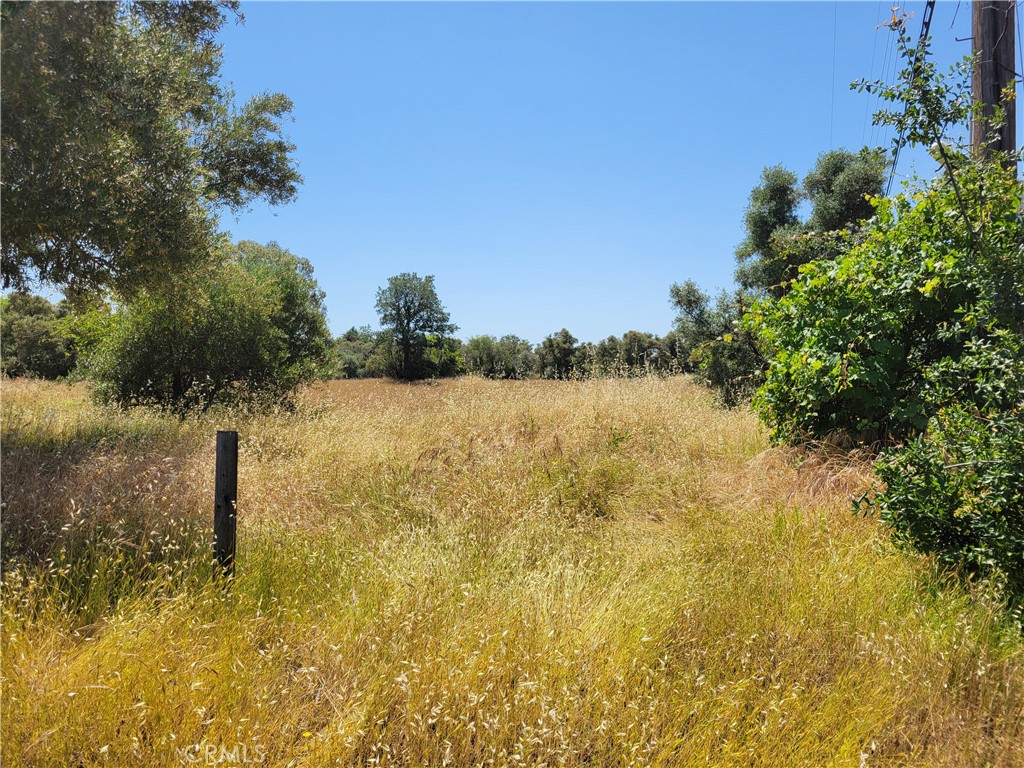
(225, 502)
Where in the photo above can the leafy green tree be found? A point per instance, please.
(607, 358)
(840, 188)
(584, 364)
(772, 209)
(517, 357)
(120, 142)
(635, 354)
(723, 353)
(415, 321)
(696, 322)
(33, 341)
(484, 357)
(556, 355)
(851, 344)
(298, 316)
(643, 351)
(851, 348)
(777, 243)
(444, 356)
(717, 349)
(352, 351)
(247, 330)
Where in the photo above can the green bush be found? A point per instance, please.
(851, 344)
(34, 343)
(914, 337)
(247, 330)
(956, 491)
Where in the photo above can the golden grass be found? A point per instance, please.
(476, 573)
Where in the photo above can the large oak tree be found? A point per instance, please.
(120, 142)
(414, 319)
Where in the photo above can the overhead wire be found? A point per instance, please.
(1020, 73)
(876, 128)
(1019, 42)
(835, 36)
(867, 101)
(926, 21)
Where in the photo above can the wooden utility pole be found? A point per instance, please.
(992, 28)
(225, 502)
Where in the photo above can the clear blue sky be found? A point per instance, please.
(552, 164)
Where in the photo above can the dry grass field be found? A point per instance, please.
(475, 573)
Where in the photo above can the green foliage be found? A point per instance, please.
(778, 243)
(509, 357)
(249, 330)
(556, 355)
(957, 490)
(720, 353)
(715, 345)
(120, 142)
(417, 328)
(86, 324)
(298, 316)
(352, 350)
(33, 340)
(521, 360)
(443, 356)
(635, 354)
(915, 338)
(840, 187)
(851, 344)
(772, 208)
(483, 357)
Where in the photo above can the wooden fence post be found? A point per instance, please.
(225, 502)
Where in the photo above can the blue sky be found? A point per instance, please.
(552, 164)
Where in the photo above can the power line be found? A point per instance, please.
(832, 112)
(874, 46)
(926, 22)
(877, 129)
(1020, 43)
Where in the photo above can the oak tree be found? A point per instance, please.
(120, 143)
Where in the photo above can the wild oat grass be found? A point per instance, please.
(476, 573)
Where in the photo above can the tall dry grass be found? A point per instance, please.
(476, 573)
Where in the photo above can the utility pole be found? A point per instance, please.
(992, 28)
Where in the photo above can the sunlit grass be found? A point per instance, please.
(476, 573)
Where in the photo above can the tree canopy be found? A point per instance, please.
(509, 357)
(777, 242)
(415, 320)
(120, 142)
(556, 355)
(249, 329)
(34, 343)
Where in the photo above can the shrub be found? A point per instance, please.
(249, 330)
(956, 491)
(34, 343)
(851, 344)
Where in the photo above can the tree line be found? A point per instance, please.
(252, 326)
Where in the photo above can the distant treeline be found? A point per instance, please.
(44, 339)
(362, 353)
